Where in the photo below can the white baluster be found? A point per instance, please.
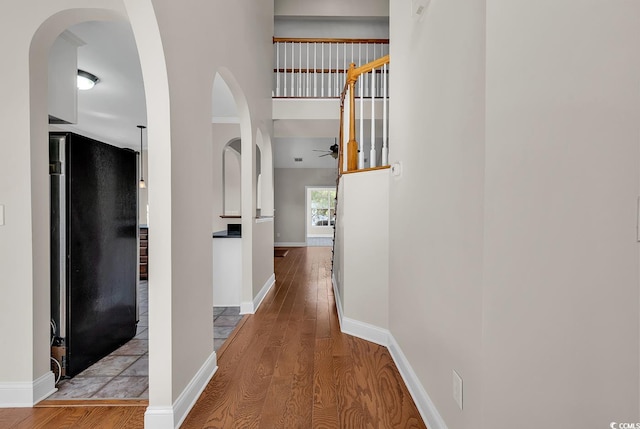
(277, 69)
(360, 63)
(308, 47)
(344, 81)
(385, 118)
(372, 152)
(366, 61)
(329, 87)
(322, 70)
(361, 136)
(315, 69)
(300, 70)
(293, 69)
(284, 84)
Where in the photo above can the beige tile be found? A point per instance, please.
(135, 347)
(138, 368)
(123, 387)
(109, 366)
(79, 387)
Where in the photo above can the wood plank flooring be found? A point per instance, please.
(288, 366)
(291, 367)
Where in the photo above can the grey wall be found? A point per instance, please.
(289, 184)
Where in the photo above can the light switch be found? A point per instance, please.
(1, 214)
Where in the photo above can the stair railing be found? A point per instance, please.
(371, 78)
(317, 68)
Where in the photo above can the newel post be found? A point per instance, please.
(352, 145)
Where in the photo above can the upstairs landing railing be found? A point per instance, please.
(318, 68)
(352, 149)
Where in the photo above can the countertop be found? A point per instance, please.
(225, 234)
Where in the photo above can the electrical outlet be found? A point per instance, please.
(457, 388)
(396, 169)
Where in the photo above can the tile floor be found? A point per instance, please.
(319, 242)
(125, 372)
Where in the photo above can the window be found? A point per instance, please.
(323, 207)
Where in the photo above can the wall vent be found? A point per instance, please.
(297, 159)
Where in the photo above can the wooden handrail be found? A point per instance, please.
(381, 167)
(357, 71)
(329, 40)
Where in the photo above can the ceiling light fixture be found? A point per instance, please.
(86, 80)
(141, 183)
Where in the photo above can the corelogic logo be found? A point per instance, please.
(615, 425)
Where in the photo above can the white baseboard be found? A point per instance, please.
(290, 244)
(356, 328)
(246, 307)
(172, 417)
(365, 331)
(426, 407)
(250, 307)
(28, 393)
(383, 337)
(263, 292)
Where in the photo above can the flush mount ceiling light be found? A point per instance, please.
(86, 80)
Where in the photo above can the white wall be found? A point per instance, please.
(321, 27)
(513, 256)
(436, 206)
(181, 336)
(290, 200)
(195, 24)
(363, 270)
(63, 71)
(222, 134)
(560, 250)
(262, 254)
(24, 239)
(332, 8)
(231, 183)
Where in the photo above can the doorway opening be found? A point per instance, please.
(320, 215)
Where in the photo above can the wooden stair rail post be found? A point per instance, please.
(352, 145)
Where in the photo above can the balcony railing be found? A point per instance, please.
(373, 76)
(318, 68)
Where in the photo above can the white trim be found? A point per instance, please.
(336, 295)
(426, 407)
(172, 417)
(263, 292)
(264, 219)
(246, 307)
(250, 307)
(22, 394)
(366, 331)
(356, 328)
(290, 244)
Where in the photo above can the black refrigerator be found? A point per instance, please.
(94, 255)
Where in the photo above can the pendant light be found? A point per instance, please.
(141, 183)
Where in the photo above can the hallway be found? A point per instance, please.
(289, 366)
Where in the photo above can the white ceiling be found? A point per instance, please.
(111, 110)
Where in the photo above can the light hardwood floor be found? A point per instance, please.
(288, 366)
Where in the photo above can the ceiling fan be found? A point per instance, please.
(333, 150)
